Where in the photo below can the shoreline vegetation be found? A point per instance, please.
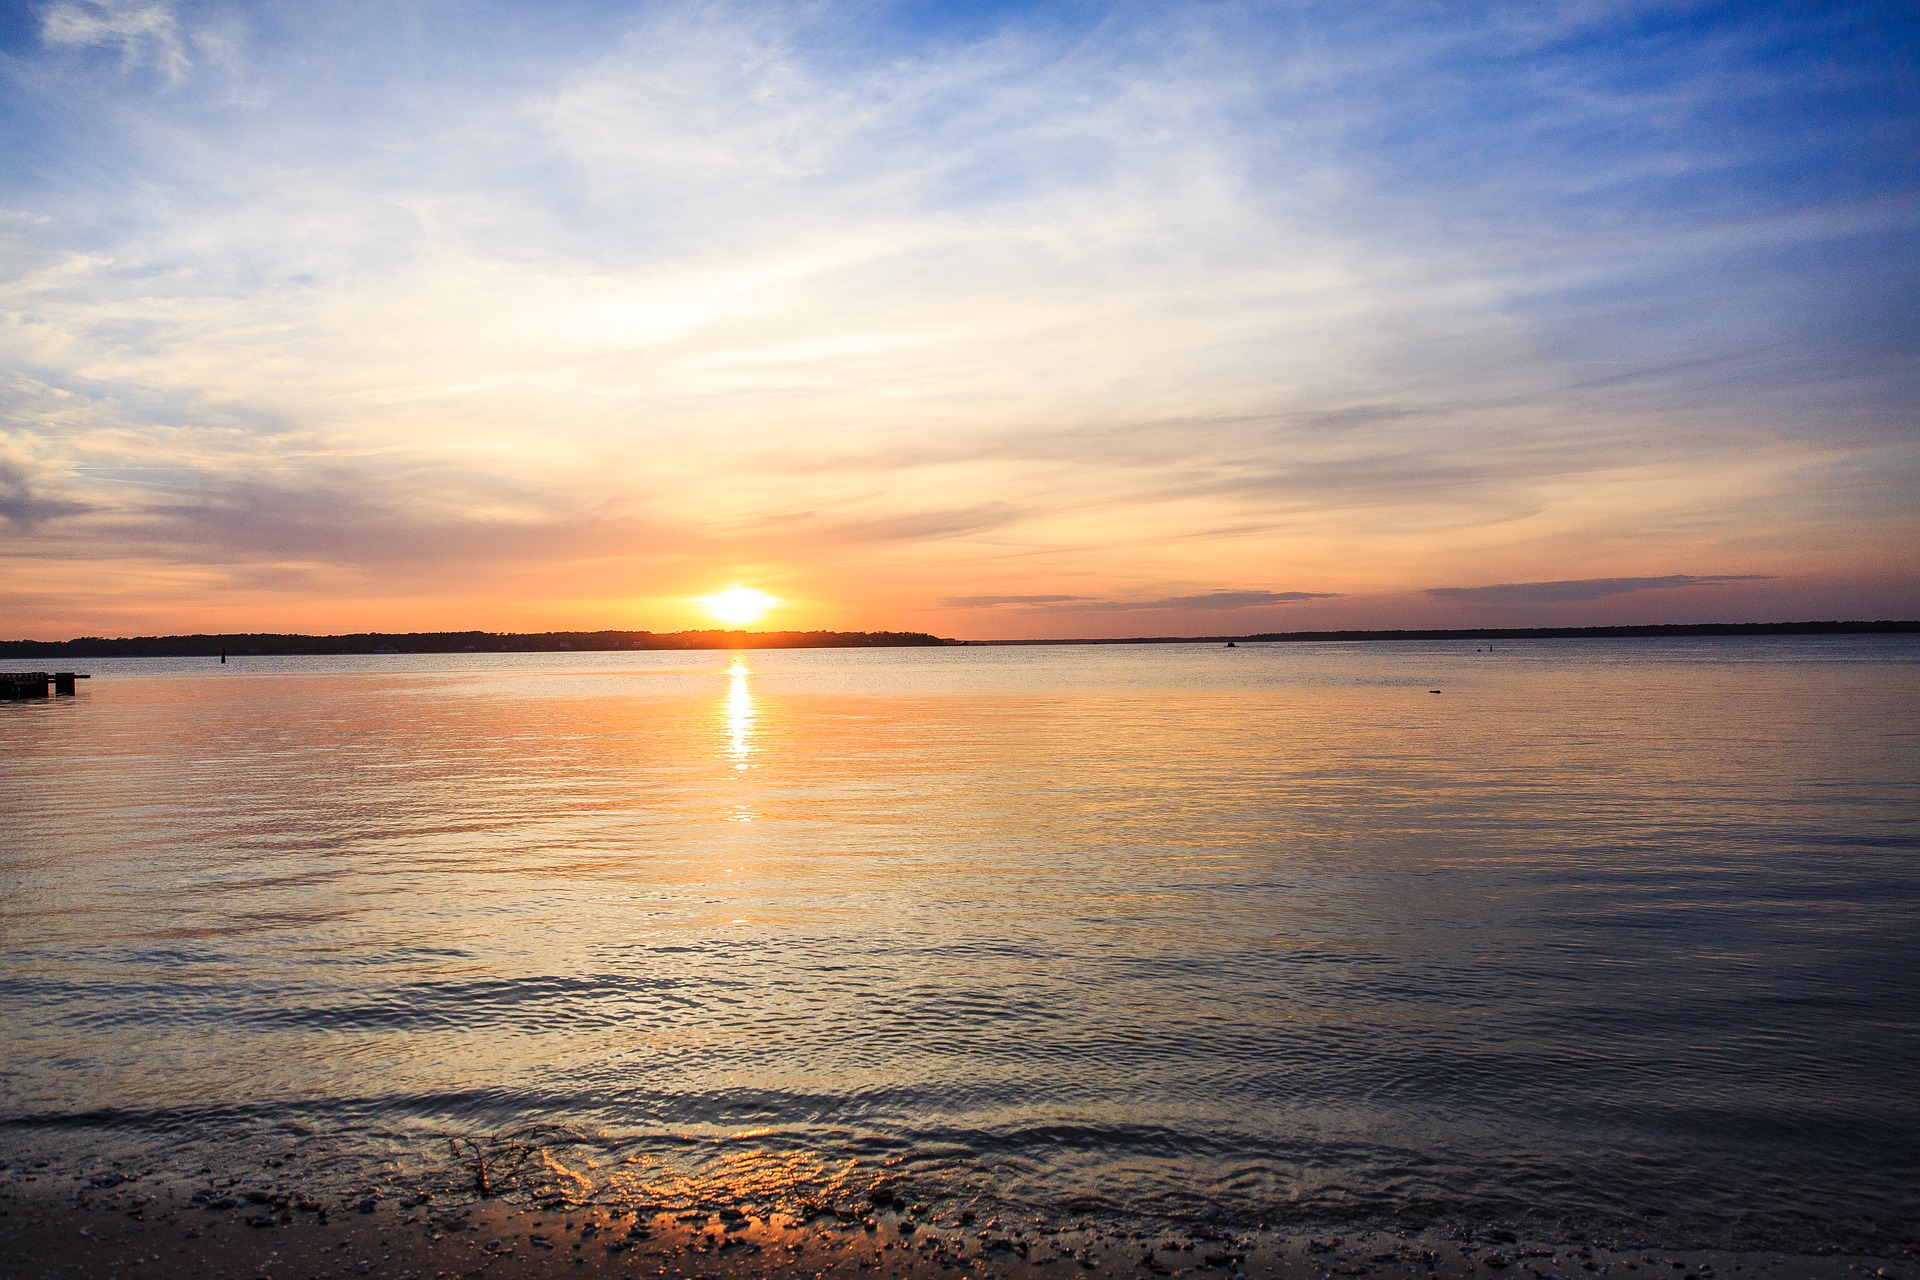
(267, 644)
(270, 644)
(1652, 631)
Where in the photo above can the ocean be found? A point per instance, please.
(1582, 936)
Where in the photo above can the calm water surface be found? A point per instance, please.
(1608, 935)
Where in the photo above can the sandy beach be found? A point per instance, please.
(123, 1226)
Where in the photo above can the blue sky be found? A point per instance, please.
(1124, 319)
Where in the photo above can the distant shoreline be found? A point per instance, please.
(1654, 631)
(269, 644)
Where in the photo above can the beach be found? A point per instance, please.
(59, 1225)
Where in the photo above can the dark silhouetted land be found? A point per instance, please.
(1659, 631)
(240, 644)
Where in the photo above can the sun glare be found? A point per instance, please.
(737, 606)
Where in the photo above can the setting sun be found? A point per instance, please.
(738, 606)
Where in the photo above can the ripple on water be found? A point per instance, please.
(1614, 928)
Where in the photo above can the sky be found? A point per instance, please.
(990, 320)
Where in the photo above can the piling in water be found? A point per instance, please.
(15, 685)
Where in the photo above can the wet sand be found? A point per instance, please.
(123, 1226)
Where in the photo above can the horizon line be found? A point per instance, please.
(355, 642)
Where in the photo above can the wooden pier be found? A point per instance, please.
(33, 684)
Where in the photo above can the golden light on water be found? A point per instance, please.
(738, 715)
(738, 1176)
(737, 606)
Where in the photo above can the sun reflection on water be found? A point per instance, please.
(753, 1175)
(739, 715)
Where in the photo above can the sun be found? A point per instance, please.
(737, 606)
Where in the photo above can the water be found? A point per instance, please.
(1605, 936)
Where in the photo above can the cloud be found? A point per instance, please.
(987, 602)
(1174, 296)
(1582, 588)
(923, 525)
(145, 31)
(21, 506)
(1206, 602)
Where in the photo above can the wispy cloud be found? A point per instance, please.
(1583, 588)
(1364, 298)
(25, 507)
(1205, 602)
(988, 602)
(146, 32)
(1208, 601)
